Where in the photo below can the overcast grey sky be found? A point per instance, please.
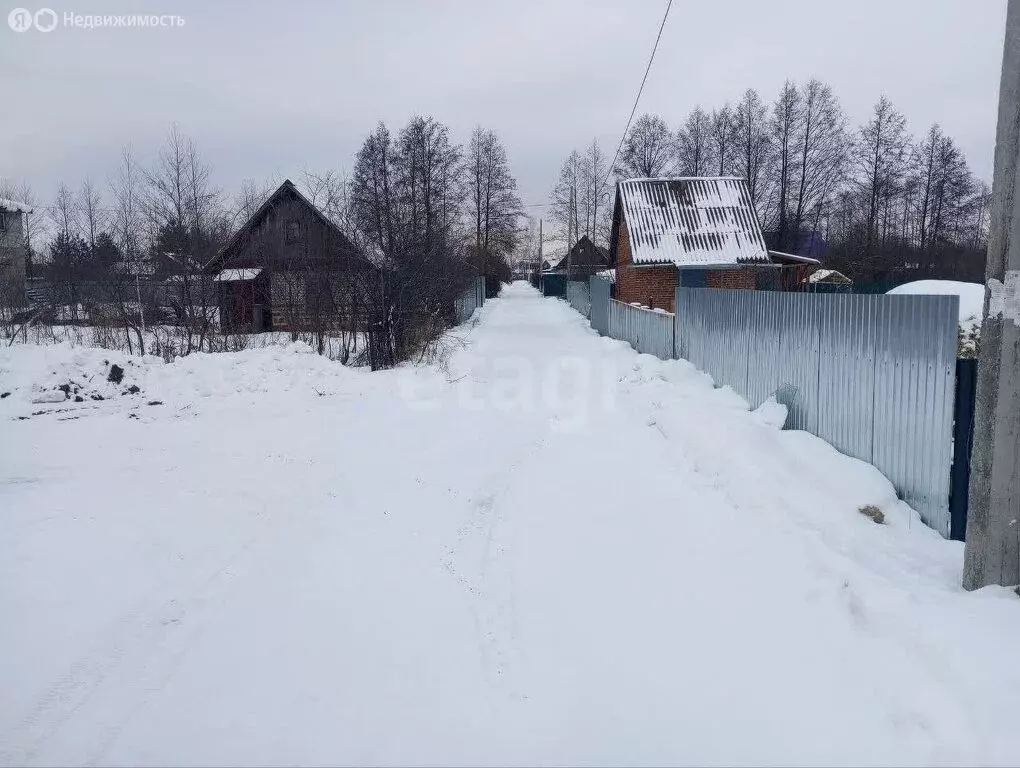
(271, 88)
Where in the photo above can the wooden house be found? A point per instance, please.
(289, 268)
(583, 260)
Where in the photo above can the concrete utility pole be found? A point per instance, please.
(992, 554)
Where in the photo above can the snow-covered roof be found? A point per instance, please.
(607, 274)
(237, 275)
(15, 206)
(828, 275)
(692, 222)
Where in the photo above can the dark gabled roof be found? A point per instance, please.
(690, 222)
(287, 188)
(583, 254)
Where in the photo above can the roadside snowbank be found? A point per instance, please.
(41, 378)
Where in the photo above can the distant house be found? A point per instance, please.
(695, 232)
(13, 255)
(290, 268)
(583, 260)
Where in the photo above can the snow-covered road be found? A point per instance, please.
(549, 550)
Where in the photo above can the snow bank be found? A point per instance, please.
(972, 297)
(37, 379)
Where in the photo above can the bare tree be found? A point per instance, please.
(408, 198)
(786, 118)
(92, 213)
(880, 158)
(250, 197)
(723, 139)
(648, 149)
(493, 200)
(753, 147)
(694, 144)
(822, 152)
(595, 195)
(566, 197)
(127, 220)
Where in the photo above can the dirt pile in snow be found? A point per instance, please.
(58, 374)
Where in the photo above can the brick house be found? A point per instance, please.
(289, 268)
(700, 232)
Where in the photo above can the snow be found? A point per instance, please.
(15, 206)
(236, 275)
(549, 549)
(972, 297)
(820, 275)
(771, 413)
(1004, 296)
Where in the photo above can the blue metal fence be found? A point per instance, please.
(599, 291)
(647, 330)
(579, 296)
(873, 375)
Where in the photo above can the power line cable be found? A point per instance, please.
(633, 109)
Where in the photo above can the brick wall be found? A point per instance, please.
(730, 278)
(654, 287)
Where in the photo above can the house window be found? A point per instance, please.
(3, 221)
(293, 231)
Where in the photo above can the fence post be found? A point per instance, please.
(963, 437)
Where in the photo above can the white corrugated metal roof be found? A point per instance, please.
(236, 275)
(692, 222)
(14, 205)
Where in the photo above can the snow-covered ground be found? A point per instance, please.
(550, 550)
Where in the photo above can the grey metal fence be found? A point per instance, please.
(472, 298)
(646, 330)
(874, 375)
(599, 290)
(579, 296)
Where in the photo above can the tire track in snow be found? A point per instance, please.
(480, 562)
(134, 660)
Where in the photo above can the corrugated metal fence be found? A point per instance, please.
(599, 291)
(472, 298)
(874, 375)
(579, 296)
(644, 329)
